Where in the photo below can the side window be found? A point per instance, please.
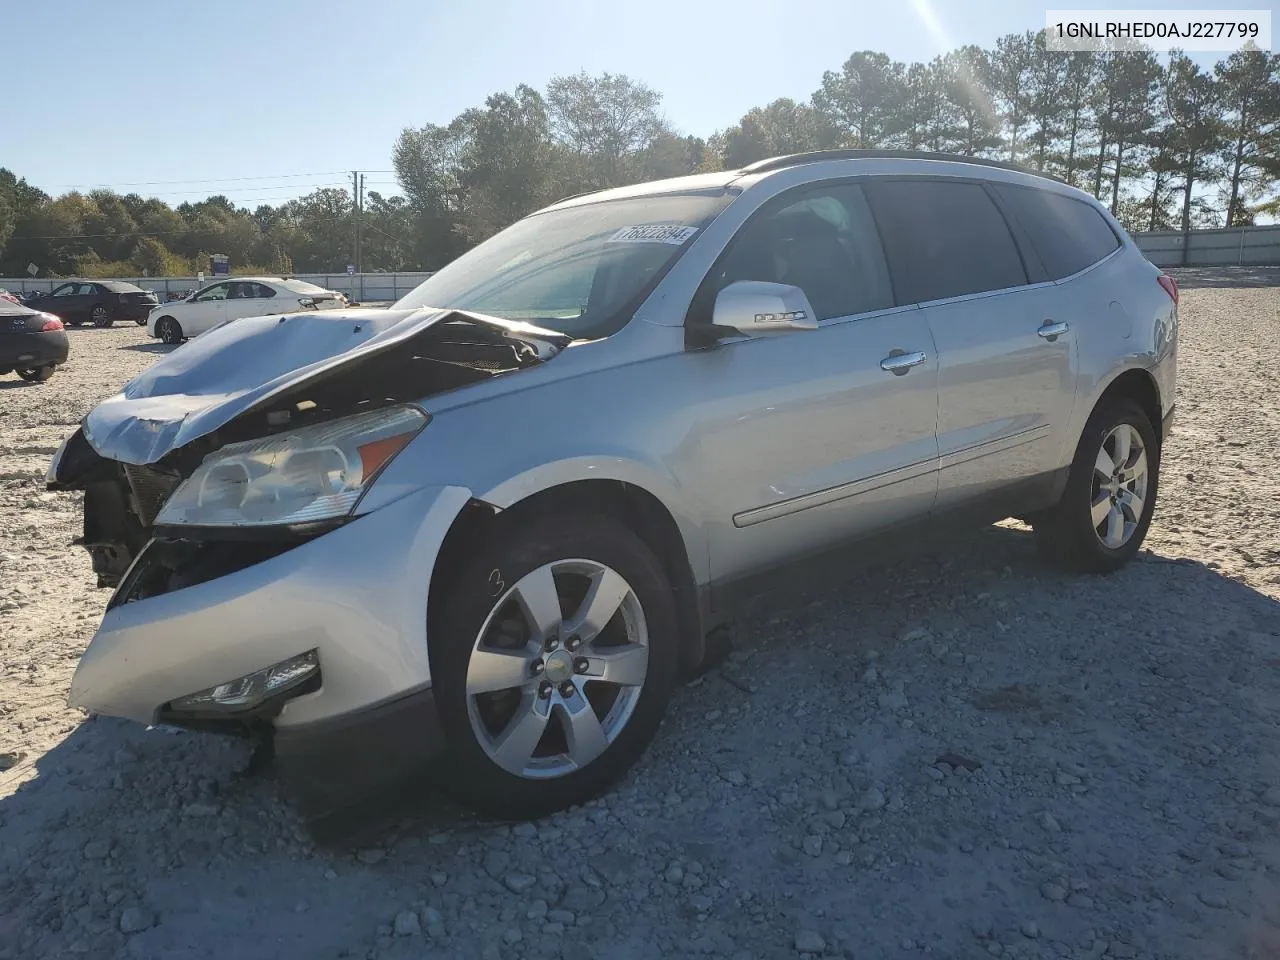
(264, 292)
(216, 292)
(1066, 234)
(66, 290)
(823, 241)
(88, 289)
(944, 238)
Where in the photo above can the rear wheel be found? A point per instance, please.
(169, 330)
(37, 374)
(553, 657)
(1105, 511)
(100, 317)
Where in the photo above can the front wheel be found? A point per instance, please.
(1105, 511)
(169, 330)
(553, 658)
(100, 317)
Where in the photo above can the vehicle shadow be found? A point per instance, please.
(148, 347)
(219, 855)
(13, 382)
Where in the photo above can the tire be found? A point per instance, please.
(100, 317)
(481, 613)
(37, 374)
(169, 330)
(1066, 533)
(141, 322)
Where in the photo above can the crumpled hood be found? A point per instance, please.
(220, 374)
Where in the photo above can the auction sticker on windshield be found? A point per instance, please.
(654, 233)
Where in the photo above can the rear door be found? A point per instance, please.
(803, 439)
(1007, 359)
(207, 309)
(243, 301)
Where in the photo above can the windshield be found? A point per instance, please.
(581, 271)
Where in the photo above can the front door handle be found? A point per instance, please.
(899, 363)
(1051, 331)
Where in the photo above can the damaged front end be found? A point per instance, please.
(243, 382)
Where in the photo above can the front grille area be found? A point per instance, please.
(150, 489)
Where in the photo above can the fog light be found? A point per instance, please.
(249, 691)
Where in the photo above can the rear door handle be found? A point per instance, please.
(899, 363)
(1052, 331)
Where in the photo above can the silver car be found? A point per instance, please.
(495, 524)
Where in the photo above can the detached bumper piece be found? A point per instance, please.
(333, 765)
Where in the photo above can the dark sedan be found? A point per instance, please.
(100, 302)
(31, 342)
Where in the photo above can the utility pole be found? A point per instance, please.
(360, 225)
(355, 209)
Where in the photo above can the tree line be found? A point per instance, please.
(1166, 144)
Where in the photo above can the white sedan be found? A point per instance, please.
(232, 299)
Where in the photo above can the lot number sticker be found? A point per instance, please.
(654, 233)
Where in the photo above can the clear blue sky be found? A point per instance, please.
(128, 92)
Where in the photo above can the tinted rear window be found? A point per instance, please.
(1067, 234)
(115, 286)
(943, 238)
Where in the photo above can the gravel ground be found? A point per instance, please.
(961, 756)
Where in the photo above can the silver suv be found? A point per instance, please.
(494, 524)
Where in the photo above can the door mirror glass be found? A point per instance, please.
(758, 308)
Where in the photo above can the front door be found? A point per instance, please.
(803, 439)
(208, 308)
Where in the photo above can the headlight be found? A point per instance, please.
(316, 473)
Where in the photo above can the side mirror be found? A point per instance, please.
(757, 308)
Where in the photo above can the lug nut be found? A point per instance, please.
(572, 643)
(544, 690)
(538, 666)
(550, 643)
(580, 665)
(567, 690)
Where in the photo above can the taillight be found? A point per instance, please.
(53, 323)
(1170, 287)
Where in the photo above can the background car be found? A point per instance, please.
(31, 342)
(233, 299)
(100, 302)
(10, 297)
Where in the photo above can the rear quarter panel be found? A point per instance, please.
(1129, 322)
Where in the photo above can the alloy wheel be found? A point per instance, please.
(557, 669)
(1120, 479)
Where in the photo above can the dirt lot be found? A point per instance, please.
(1109, 784)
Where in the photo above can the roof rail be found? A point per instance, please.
(817, 156)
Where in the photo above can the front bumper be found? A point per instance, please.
(357, 595)
(20, 351)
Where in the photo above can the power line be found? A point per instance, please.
(153, 183)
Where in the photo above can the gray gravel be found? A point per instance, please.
(961, 756)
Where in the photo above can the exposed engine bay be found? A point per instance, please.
(438, 352)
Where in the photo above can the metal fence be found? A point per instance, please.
(1244, 246)
(363, 287)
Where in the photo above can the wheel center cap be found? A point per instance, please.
(558, 667)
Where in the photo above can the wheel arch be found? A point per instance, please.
(1136, 384)
(641, 510)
